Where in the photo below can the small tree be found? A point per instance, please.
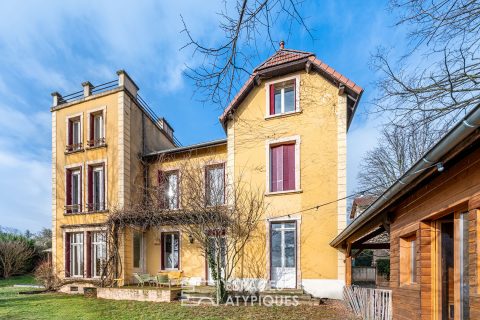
(16, 254)
(219, 216)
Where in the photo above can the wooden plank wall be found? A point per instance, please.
(448, 192)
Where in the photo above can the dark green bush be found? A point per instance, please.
(383, 267)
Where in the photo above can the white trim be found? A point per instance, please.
(82, 191)
(268, 144)
(291, 217)
(171, 232)
(105, 178)
(297, 95)
(104, 114)
(67, 119)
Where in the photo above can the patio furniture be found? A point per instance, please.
(118, 281)
(162, 279)
(142, 279)
(175, 277)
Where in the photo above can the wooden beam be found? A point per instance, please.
(369, 236)
(372, 246)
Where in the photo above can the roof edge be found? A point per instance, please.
(196, 146)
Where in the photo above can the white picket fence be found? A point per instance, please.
(370, 304)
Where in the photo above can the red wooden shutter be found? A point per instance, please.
(289, 167)
(68, 189)
(272, 99)
(89, 254)
(162, 255)
(274, 175)
(161, 189)
(70, 132)
(81, 190)
(103, 204)
(90, 188)
(92, 129)
(67, 254)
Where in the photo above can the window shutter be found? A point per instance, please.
(289, 167)
(70, 132)
(161, 189)
(103, 205)
(272, 99)
(162, 244)
(67, 254)
(68, 189)
(92, 129)
(89, 254)
(80, 187)
(90, 188)
(275, 168)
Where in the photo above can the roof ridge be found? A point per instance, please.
(279, 51)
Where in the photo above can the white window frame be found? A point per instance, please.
(170, 234)
(177, 195)
(76, 174)
(273, 142)
(207, 168)
(296, 79)
(141, 266)
(67, 131)
(97, 245)
(101, 162)
(101, 186)
(80, 263)
(103, 110)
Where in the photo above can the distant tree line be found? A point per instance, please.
(21, 252)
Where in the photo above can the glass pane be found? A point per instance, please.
(289, 99)
(289, 249)
(215, 186)
(137, 246)
(98, 130)
(289, 225)
(278, 100)
(75, 191)
(172, 192)
(175, 251)
(76, 132)
(276, 249)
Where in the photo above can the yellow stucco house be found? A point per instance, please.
(285, 133)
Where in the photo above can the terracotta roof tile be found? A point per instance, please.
(284, 56)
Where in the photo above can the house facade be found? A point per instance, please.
(285, 134)
(432, 214)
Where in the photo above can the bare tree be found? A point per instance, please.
(15, 256)
(399, 147)
(444, 36)
(220, 217)
(247, 26)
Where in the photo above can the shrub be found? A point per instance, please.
(383, 267)
(44, 275)
(364, 259)
(16, 254)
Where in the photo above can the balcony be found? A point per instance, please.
(96, 143)
(74, 147)
(96, 207)
(73, 209)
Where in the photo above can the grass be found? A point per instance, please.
(61, 306)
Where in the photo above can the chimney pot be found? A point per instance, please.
(282, 45)
(87, 88)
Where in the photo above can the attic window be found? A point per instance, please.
(282, 97)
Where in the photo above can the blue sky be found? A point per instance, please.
(48, 46)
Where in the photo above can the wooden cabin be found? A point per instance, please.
(432, 215)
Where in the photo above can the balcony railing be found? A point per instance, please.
(73, 208)
(100, 142)
(96, 206)
(74, 147)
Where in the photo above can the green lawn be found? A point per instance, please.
(60, 306)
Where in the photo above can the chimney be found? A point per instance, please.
(282, 45)
(87, 88)
(57, 98)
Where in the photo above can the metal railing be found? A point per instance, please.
(74, 147)
(100, 142)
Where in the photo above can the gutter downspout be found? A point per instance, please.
(463, 129)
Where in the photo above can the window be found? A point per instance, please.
(282, 97)
(76, 254)
(170, 250)
(138, 250)
(74, 135)
(99, 253)
(169, 189)
(215, 184)
(408, 253)
(97, 137)
(96, 188)
(74, 191)
(282, 167)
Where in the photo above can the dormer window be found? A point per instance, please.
(97, 132)
(74, 134)
(283, 97)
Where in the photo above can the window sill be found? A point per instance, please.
(283, 115)
(279, 193)
(96, 147)
(75, 151)
(84, 212)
